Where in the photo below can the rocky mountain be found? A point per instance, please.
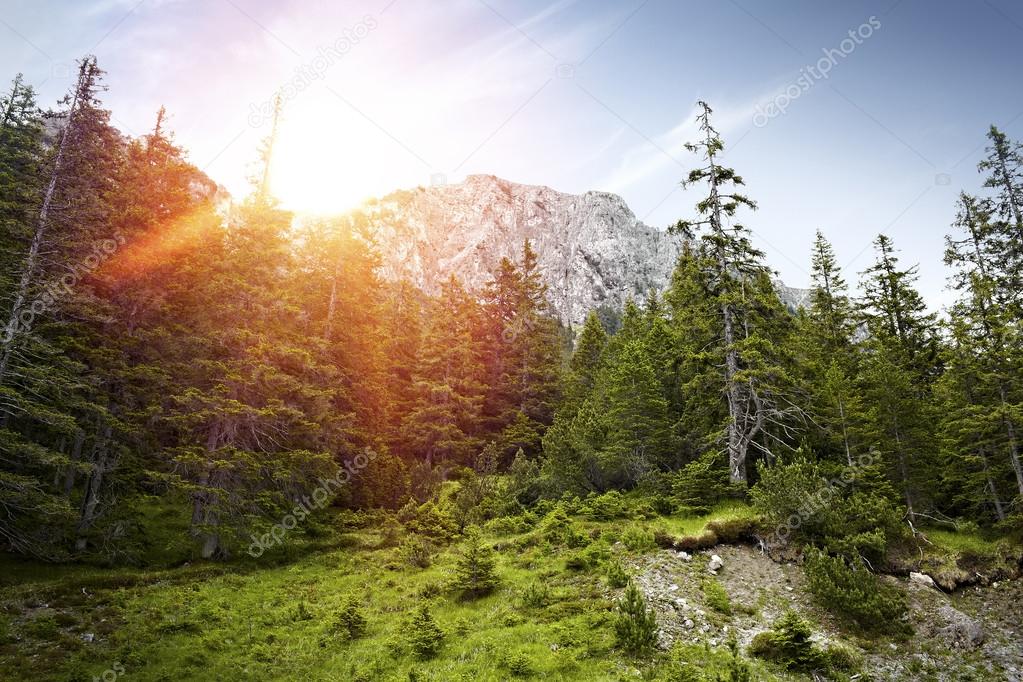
(593, 252)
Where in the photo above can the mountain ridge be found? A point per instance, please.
(593, 252)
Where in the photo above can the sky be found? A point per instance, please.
(853, 118)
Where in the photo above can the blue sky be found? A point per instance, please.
(574, 94)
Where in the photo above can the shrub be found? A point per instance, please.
(604, 507)
(716, 596)
(843, 657)
(416, 551)
(616, 575)
(733, 531)
(700, 484)
(422, 633)
(847, 511)
(856, 596)
(577, 562)
(635, 625)
(638, 540)
(663, 539)
(692, 543)
(680, 669)
(433, 521)
(535, 596)
(788, 644)
(390, 532)
(663, 505)
(350, 620)
(507, 525)
(518, 664)
(474, 572)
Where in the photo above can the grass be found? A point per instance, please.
(277, 619)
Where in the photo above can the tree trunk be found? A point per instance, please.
(32, 259)
(93, 485)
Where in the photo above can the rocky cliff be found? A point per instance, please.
(592, 249)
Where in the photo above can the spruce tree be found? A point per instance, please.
(753, 380)
(900, 364)
(475, 574)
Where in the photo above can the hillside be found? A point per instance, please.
(551, 617)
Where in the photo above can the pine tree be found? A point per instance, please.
(753, 379)
(981, 392)
(900, 365)
(827, 330)
(475, 574)
(443, 422)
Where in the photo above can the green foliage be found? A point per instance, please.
(475, 573)
(855, 595)
(536, 595)
(518, 664)
(717, 597)
(617, 576)
(350, 621)
(605, 507)
(423, 635)
(638, 539)
(700, 485)
(847, 510)
(635, 626)
(788, 644)
(416, 551)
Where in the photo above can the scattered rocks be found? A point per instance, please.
(716, 564)
(685, 556)
(960, 631)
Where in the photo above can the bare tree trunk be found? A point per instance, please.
(100, 466)
(32, 259)
(76, 456)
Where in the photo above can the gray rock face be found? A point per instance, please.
(592, 250)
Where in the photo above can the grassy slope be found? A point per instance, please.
(245, 621)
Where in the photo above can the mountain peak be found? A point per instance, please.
(592, 251)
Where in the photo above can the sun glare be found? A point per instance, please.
(317, 168)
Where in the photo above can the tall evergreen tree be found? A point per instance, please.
(752, 377)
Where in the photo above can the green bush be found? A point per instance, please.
(616, 575)
(700, 484)
(416, 551)
(429, 519)
(350, 620)
(635, 625)
(716, 596)
(606, 507)
(788, 644)
(847, 511)
(733, 531)
(638, 540)
(856, 596)
(475, 574)
(664, 540)
(518, 664)
(680, 669)
(535, 596)
(422, 633)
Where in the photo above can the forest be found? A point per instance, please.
(209, 413)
